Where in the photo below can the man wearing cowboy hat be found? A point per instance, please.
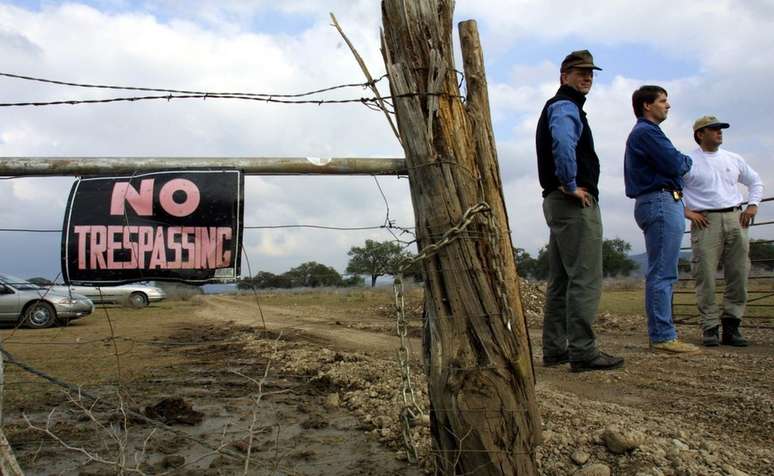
(568, 168)
(713, 204)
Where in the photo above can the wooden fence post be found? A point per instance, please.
(484, 416)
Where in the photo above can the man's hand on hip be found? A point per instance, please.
(697, 219)
(581, 194)
(748, 215)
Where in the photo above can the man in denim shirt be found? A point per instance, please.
(569, 173)
(653, 171)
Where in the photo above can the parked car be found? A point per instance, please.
(39, 307)
(134, 295)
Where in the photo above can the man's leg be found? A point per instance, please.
(582, 252)
(555, 307)
(577, 239)
(656, 219)
(707, 248)
(736, 268)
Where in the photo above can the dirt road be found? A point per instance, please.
(719, 404)
(348, 332)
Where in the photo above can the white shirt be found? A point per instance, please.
(711, 182)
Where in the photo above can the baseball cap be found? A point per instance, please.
(579, 59)
(709, 121)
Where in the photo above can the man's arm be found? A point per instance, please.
(566, 128)
(663, 155)
(754, 184)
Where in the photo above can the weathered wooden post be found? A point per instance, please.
(484, 416)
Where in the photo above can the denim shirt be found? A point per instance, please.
(651, 162)
(566, 128)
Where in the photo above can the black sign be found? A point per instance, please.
(173, 226)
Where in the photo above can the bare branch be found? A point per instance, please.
(371, 83)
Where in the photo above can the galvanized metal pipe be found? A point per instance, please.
(76, 166)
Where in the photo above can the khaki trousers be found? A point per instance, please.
(724, 242)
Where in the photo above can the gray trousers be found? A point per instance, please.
(723, 241)
(574, 277)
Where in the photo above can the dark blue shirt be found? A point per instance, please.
(651, 162)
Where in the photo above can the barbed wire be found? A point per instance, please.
(184, 91)
(168, 97)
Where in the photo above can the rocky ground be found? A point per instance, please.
(320, 393)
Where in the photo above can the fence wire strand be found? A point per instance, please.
(188, 91)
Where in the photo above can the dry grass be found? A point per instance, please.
(341, 298)
(83, 353)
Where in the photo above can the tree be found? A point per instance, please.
(265, 280)
(353, 281)
(615, 259)
(525, 264)
(375, 259)
(541, 264)
(313, 274)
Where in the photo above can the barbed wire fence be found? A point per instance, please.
(111, 405)
(124, 347)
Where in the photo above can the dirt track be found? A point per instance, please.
(720, 399)
(315, 323)
(329, 403)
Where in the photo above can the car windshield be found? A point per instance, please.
(17, 283)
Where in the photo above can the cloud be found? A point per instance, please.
(262, 46)
(140, 49)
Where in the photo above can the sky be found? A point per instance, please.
(712, 57)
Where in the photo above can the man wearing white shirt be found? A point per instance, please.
(719, 229)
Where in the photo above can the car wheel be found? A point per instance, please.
(138, 300)
(39, 315)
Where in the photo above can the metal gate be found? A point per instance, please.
(759, 311)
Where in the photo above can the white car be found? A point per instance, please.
(135, 295)
(39, 307)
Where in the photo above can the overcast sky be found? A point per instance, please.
(712, 57)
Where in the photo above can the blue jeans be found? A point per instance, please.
(662, 220)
